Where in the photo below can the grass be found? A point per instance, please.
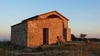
(6, 45)
(94, 49)
(51, 50)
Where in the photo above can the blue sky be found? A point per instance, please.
(83, 15)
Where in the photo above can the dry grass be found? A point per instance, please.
(52, 50)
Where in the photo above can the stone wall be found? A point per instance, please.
(30, 32)
(19, 34)
(44, 16)
(35, 31)
(68, 38)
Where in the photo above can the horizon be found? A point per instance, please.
(84, 16)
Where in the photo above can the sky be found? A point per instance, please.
(83, 15)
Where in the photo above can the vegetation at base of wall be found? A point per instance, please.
(6, 45)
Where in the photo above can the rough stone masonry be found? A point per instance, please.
(42, 29)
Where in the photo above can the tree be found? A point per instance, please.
(83, 35)
(73, 37)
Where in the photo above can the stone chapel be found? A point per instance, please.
(41, 29)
